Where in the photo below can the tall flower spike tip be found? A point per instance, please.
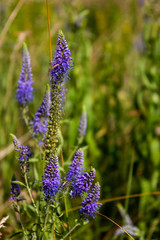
(24, 92)
(15, 190)
(90, 204)
(58, 75)
(51, 179)
(82, 124)
(41, 117)
(83, 183)
(75, 169)
(62, 61)
(24, 154)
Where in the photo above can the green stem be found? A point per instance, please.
(45, 222)
(71, 230)
(24, 231)
(129, 182)
(66, 210)
(30, 194)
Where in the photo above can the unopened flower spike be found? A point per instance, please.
(15, 190)
(51, 179)
(24, 154)
(58, 74)
(24, 91)
(41, 117)
(90, 204)
(82, 124)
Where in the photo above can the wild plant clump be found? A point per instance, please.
(53, 187)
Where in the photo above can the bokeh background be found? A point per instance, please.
(115, 47)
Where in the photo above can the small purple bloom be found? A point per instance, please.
(83, 124)
(51, 179)
(41, 116)
(62, 60)
(24, 154)
(15, 190)
(82, 183)
(24, 92)
(90, 204)
(75, 169)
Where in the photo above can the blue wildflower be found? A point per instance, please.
(41, 117)
(62, 60)
(75, 169)
(24, 92)
(51, 179)
(15, 190)
(83, 124)
(82, 183)
(58, 74)
(24, 154)
(90, 204)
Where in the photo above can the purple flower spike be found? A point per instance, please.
(41, 117)
(24, 92)
(58, 75)
(83, 124)
(51, 179)
(75, 169)
(83, 183)
(15, 191)
(90, 204)
(62, 60)
(24, 154)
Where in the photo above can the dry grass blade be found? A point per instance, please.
(10, 20)
(116, 225)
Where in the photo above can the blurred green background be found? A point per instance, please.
(115, 47)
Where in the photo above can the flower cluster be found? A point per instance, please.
(15, 191)
(83, 183)
(51, 179)
(80, 183)
(75, 168)
(41, 117)
(24, 154)
(24, 92)
(90, 204)
(62, 61)
(77, 181)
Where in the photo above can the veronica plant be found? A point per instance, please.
(54, 186)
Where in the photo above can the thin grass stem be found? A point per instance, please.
(116, 224)
(49, 32)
